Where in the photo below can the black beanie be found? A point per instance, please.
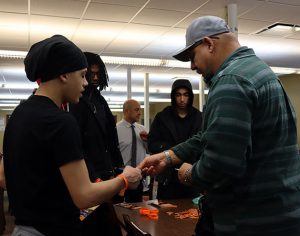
(52, 57)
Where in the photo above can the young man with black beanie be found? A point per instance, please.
(46, 176)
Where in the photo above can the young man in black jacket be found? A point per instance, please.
(97, 124)
(173, 125)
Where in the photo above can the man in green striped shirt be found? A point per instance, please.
(249, 161)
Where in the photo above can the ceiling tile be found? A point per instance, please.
(159, 17)
(251, 26)
(12, 39)
(185, 6)
(96, 35)
(166, 44)
(12, 6)
(294, 36)
(265, 12)
(109, 12)
(42, 27)
(135, 37)
(287, 2)
(65, 8)
(136, 3)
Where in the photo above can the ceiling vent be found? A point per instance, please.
(279, 30)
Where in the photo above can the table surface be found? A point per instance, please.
(165, 224)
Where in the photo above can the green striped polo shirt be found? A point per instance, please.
(249, 158)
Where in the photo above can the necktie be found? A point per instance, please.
(133, 147)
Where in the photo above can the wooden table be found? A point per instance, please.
(166, 224)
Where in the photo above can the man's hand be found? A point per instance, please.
(154, 164)
(184, 173)
(144, 136)
(133, 175)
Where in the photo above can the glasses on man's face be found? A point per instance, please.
(192, 53)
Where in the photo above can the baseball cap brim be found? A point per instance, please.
(184, 54)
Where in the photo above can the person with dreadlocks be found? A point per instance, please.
(97, 124)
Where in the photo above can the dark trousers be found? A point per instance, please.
(205, 224)
(135, 195)
(102, 221)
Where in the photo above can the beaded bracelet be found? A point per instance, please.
(188, 176)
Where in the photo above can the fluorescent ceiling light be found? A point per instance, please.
(9, 104)
(132, 61)
(12, 54)
(116, 110)
(18, 85)
(284, 70)
(135, 62)
(14, 97)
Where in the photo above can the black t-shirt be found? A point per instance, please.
(38, 139)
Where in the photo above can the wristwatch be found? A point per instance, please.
(168, 158)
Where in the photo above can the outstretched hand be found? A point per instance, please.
(133, 176)
(153, 165)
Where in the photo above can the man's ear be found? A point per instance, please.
(63, 78)
(209, 42)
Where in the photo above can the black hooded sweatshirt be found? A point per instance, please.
(169, 129)
(97, 126)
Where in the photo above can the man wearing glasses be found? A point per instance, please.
(249, 160)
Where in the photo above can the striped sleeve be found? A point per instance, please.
(227, 133)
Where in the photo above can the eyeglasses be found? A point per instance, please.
(201, 41)
(192, 54)
(197, 44)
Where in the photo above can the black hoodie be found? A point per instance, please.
(169, 129)
(182, 83)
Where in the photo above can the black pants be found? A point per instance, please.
(102, 221)
(205, 224)
(135, 195)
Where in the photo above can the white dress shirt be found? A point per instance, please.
(125, 140)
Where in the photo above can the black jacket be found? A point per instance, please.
(163, 131)
(168, 130)
(99, 134)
